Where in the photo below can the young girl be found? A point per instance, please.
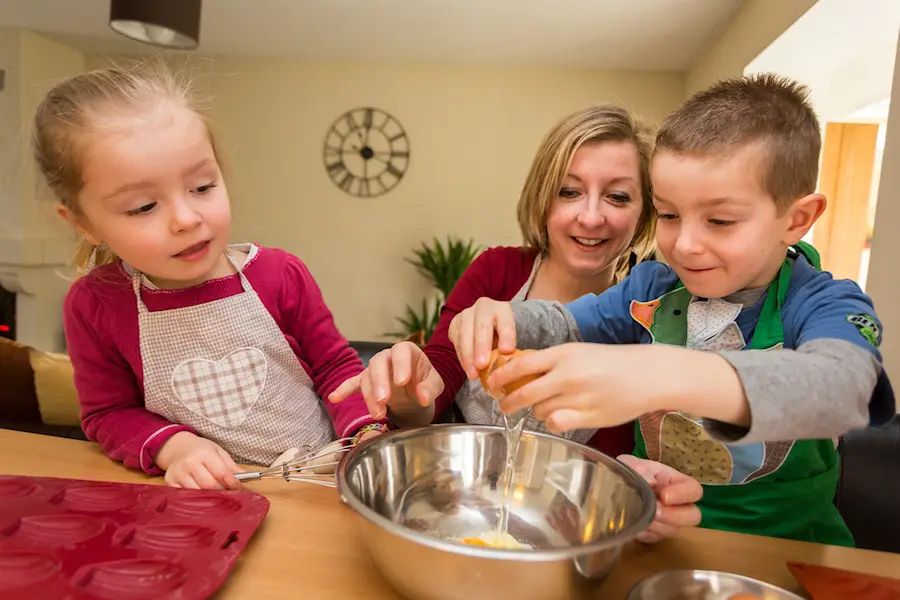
(189, 354)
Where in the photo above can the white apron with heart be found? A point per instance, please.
(225, 369)
(478, 407)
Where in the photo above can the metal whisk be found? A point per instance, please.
(313, 466)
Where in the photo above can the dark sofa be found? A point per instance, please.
(868, 495)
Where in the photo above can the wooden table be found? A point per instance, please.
(308, 546)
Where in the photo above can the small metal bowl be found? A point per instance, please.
(418, 491)
(692, 584)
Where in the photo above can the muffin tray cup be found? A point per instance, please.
(80, 540)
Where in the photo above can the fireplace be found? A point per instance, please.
(7, 314)
(32, 294)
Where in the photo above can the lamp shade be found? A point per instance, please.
(166, 23)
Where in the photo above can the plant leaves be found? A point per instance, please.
(441, 266)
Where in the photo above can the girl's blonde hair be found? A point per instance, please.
(86, 104)
(601, 123)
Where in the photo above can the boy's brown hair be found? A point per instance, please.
(768, 110)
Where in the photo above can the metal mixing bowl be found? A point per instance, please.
(692, 584)
(417, 491)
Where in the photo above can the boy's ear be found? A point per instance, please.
(802, 215)
(72, 220)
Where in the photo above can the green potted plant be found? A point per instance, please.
(442, 265)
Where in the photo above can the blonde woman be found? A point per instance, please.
(586, 217)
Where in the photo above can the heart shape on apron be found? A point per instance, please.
(222, 391)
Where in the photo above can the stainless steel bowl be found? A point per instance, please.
(692, 584)
(418, 491)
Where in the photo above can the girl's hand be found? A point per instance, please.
(367, 435)
(194, 462)
(400, 377)
(676, 498)
(479, 329)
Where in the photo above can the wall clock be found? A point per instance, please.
(366, 152)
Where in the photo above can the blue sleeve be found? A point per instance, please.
(606, 318)
(825, 308)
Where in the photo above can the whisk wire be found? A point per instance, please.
(304, 467)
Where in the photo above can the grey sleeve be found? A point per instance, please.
(820, 390)
(541, 324)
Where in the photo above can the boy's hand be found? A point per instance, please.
(194, 462)
(585, 385)
(478, 330)
(400, 377)
(578, 385)
(676, 498)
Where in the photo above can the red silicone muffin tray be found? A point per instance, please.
(80, 540)
(827, 583)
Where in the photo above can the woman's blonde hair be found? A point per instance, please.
(83, 105)
(601, 123)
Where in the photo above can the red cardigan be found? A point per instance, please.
(498, 273)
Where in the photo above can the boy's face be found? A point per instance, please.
(717, 227)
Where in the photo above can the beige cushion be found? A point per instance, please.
(54, 383)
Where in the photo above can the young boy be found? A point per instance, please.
(791, 354)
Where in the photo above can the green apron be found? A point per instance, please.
(777, 489)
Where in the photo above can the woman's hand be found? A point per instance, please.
(400, 378)
(194, 462)
(676, 498)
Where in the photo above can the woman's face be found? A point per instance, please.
(596, 212)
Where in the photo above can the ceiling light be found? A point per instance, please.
(166, 23)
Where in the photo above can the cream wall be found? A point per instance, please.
(472, 133)
(756, 25)
(44, 62)
(883, 282)
(10, 153)
(29, 231)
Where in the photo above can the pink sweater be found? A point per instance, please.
(101, 325)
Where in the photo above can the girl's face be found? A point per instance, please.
(153, 193)
(593, 219)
